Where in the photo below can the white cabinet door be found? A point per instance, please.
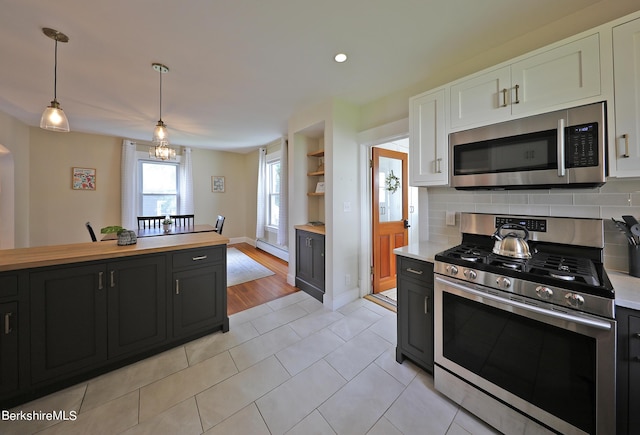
(481, 99)
(535, 84)
(428, 150)
(625, 153)
(564, 74)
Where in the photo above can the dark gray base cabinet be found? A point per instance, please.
(8, 348)
(415, 312)
(628, 371)
(88, 318)
(197, 304)
(310, 264)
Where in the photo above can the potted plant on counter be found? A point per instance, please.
(166, 224)
(125, 237)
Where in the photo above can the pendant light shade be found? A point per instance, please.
(160, 138)
(53, 117)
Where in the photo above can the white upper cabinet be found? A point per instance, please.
(534, 84)
(625, 153)
(428, 145)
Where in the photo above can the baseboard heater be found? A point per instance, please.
(273, 250)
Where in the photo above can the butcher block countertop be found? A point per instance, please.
(39, 256)
(318, 229)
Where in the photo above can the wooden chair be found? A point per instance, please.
(91, 233)
(182, 219)
(150, 222)
(219, 223)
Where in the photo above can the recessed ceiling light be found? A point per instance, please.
(340, 57)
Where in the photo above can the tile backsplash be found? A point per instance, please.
(616, 198)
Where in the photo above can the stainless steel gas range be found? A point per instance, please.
(527, 342)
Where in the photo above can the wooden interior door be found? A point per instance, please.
(389, 214)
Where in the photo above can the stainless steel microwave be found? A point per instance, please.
(566, 148)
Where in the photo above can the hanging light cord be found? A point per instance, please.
(55, 72)
(160, 94)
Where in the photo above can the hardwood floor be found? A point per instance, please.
(252, 293)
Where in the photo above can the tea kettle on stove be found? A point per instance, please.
(511, 244)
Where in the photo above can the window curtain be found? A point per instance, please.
(186, 183)
(283, 209)
(129, 183)
(262, 193)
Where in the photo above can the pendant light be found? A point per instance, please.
(160, 138)
(53, 118)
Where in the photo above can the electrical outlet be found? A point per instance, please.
(346, 206)
(347, 279)
(451, 218)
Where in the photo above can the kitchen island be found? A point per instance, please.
(71, 312)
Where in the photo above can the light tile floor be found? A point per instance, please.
(289, 366)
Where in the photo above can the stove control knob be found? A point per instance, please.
(470, 274)
(452, 270)
(574, 299)
(544, 292)
(503, 282)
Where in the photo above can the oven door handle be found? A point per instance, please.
(593, 323)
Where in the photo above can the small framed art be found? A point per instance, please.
(217, 184)
(83, 178)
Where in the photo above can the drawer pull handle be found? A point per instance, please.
(111, 277)
(417, 272)
(202, 257)
(504, 98)
(517, 98)
(626, 146)
(177, 286)
(100, 278)
(7, 323)
(426, 304)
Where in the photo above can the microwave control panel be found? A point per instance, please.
(581, 145)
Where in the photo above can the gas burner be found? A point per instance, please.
(470, 257)
(562, 276)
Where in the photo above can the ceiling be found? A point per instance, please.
(238, 68)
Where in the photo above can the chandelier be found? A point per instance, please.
(53, 118)
(160, 139)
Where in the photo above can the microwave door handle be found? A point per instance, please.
(561, 166)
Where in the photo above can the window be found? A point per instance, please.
(273, 193)
(158, 189)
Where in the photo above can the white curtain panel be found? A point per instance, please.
(262, 193)
(284, 211)
(129, 182)
(186, 183)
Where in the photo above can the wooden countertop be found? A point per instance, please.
(39, 256)
(318, 229)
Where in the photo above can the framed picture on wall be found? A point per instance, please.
(217, 184)
(83, 178)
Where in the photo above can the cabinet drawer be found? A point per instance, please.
(415, 269)
(195, 257)
(8, 285)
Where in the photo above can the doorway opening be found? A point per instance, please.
(393, 209)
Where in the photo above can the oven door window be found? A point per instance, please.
(528, 152)
(550, 367)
